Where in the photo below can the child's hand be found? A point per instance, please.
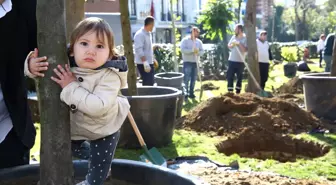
(37, 64)
(65, 77)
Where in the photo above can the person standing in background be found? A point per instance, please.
(143, 48)
(191, 49)
(320, 47)
(238, 47)
(328, 50)
(264, 56)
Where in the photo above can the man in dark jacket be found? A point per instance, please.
(328, 50)
(18, 38)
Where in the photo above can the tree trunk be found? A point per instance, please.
(74, 14)
(174, 36)
(239, 9)
(297, 20)
(128, 47)
(56, 161)
(253, 63)
(333, 64)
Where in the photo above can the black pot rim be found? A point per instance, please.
(179, 75)
(80, 165)
(317, 76)
(176, 93)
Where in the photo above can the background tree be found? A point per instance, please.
(252, 56)
(56, 158)
(215, 20)
(74, 14)
(128, 47)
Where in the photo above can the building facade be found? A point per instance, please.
(185, 12)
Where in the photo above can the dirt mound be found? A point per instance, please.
(213, 175)
(209, 86)
(293, 86)
(264, 145)
(292, 98)
(231, 114)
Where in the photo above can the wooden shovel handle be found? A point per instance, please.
(136, 129)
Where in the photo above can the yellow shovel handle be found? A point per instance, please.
(136, 129)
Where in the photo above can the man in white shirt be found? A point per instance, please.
(264, 56)
(320, 47)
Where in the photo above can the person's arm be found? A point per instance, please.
(201, 49)
(231, 43)
(243, 45)
(139, 44)
(94, 103)
(184, 47)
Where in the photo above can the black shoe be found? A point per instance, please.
(192, 96)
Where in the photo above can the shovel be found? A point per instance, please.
(198, 70)
(261, 92)
(150, 156)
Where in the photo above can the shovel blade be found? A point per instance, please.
(153, 156)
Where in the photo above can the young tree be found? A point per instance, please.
(215, 20)
(56, 161)
(128, 47)
(74, 14)
(250, 25)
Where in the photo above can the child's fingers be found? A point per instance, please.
(67, 68)
(39, 74)
(35, 54)
(60, 75)
(55, 80)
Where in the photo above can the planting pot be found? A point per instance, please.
(124, 172)
(172, 79)
(154, 110)
(320, 94)
(290, 69)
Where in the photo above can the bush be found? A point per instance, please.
(289, 53)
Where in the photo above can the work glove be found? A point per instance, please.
(147, 67)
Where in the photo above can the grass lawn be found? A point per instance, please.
(189, 143)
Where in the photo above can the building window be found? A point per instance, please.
(133, 8)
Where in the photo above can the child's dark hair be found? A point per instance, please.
(94, 24)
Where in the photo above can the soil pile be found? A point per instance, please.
(264, 145)
(231, 114)
(293, 86)
(209, 86)
(213, 175)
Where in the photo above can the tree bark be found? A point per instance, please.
(333, 64)
(56, 161)
(239, 9)
(74, 14)
(253, 63)
(174, 36)
(128, 46)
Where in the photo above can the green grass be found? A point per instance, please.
(190, 143)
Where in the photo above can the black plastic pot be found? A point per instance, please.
(172, 79)
(154, 110)
(320, 94)
(290, 69)
(124, 172)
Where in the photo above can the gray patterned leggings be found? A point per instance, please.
(100, 153)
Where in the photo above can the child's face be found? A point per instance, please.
(89, 52)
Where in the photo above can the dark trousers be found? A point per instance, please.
(321, 58)
(13, 152)
(263, 68)
(100, 153)
(147, 78)
(235, 68)
(190, 75)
